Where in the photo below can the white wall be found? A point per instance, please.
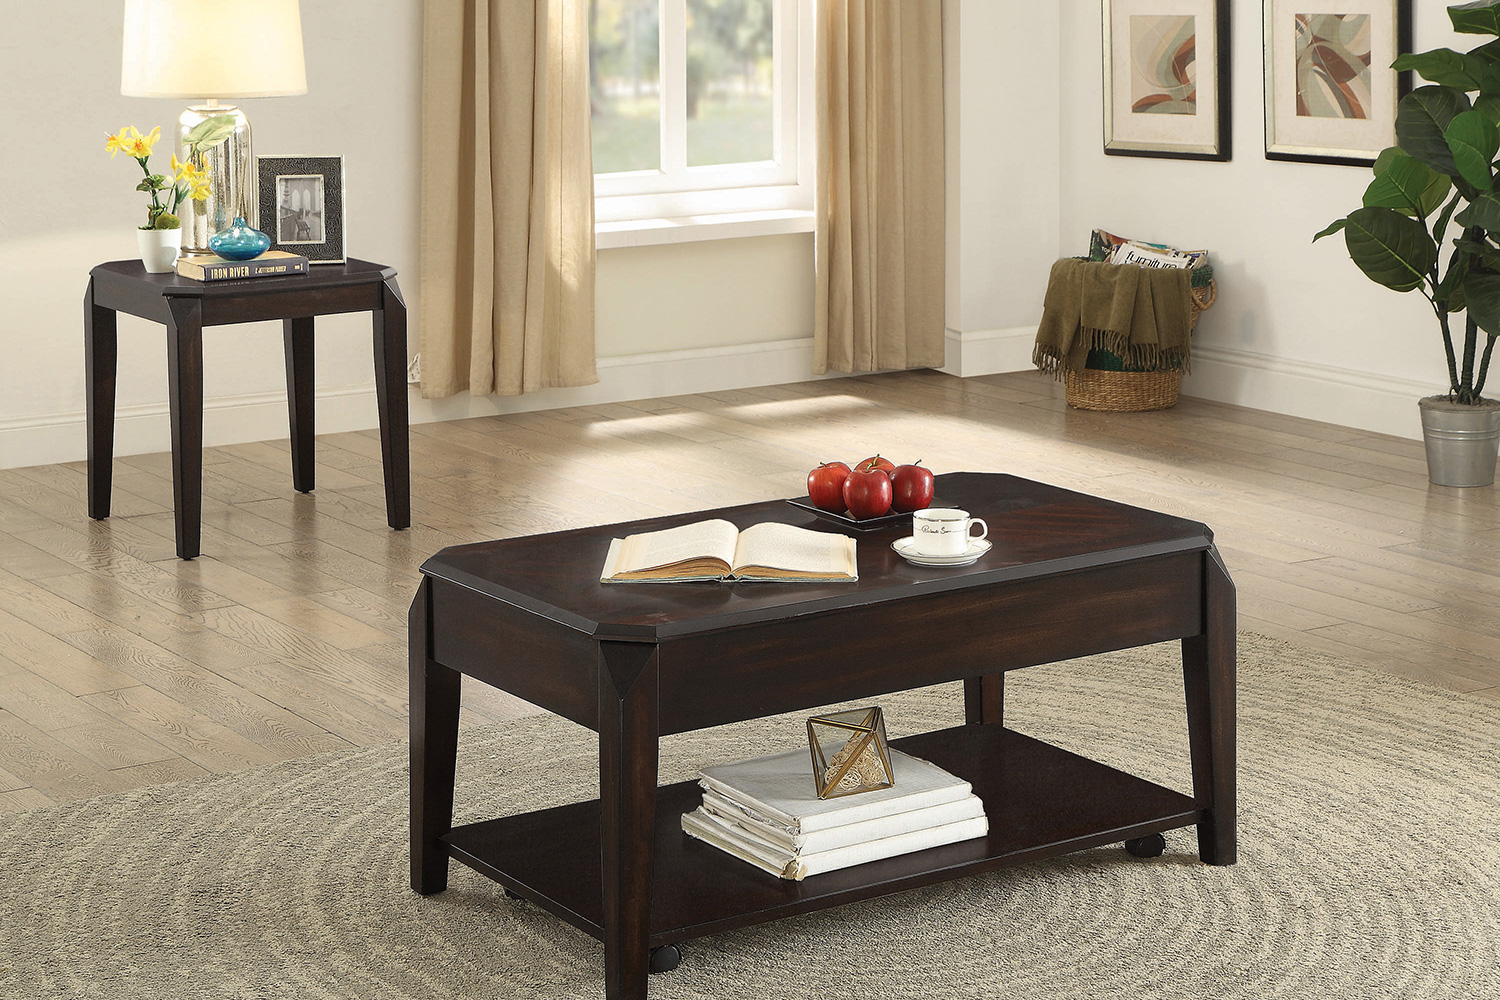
(1297, 327)
(706, 315)
(1002, 117)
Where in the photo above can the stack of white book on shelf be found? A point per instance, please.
(767, 812)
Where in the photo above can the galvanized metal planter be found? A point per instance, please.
(1462, 440)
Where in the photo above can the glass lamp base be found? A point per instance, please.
(231, 171)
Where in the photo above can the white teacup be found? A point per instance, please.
(944, 531)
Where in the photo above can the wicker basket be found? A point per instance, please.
(1105, 385)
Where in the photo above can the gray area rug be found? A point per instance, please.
(1369, 866)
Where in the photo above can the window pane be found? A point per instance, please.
(625, 101)
(729, 82)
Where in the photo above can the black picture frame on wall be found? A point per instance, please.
(1166, 79)
(1330, 93)
(302, 205)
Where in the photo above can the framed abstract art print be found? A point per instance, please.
(1166, 78)
(1330, 91)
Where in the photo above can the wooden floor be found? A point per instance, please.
(122, 666)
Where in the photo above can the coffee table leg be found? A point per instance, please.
(984, 700)
(628, 733)
(434, 749)
(390, 398)
(297, 340)
(185, 393)
(1208, 671)
(101, 351)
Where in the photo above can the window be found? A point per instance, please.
(696, 106)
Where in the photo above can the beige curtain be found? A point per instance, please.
(880, 185)
(507, 228)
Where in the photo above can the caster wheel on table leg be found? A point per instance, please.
(1150, 846)
(665, 959)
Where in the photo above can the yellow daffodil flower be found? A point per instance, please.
(120, 140)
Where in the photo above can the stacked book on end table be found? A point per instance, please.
(767, 812)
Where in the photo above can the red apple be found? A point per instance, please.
(825, 486)
(911, 487)
(875, 462)
(867, 493)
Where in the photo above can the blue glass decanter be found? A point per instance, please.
(239, 241)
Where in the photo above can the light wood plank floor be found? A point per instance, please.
(121, 666)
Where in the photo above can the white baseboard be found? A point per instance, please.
(1316, 392)
(989, 352)
(1369, 402)
(146, 428)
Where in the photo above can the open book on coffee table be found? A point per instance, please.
(717, 550)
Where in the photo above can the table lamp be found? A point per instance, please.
(212, 49)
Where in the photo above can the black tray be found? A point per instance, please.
(869, 523)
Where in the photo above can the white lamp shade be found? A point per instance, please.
(213, 48)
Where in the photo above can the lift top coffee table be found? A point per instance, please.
(1069, 575)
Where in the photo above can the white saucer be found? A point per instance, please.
(977, 548)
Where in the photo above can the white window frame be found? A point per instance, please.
(679, 192)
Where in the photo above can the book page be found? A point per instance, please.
(782, 551)
(702, 545)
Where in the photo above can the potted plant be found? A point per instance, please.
(1441, 173)
(160, 239)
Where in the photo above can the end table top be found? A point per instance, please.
(119, 275)
(1035, 529)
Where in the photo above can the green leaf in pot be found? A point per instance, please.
(1482, 17)
(1407, 185)
(1422, 119)
(1462, 71)
(1392, 249)
(1473, 140)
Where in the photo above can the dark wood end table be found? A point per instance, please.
(185, 307)
(1069, 575)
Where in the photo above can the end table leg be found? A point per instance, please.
(185, 390)
(628, 732)
(297, 339)
(1208, 671)
(390, 396)
(434, 749)
(100, 353)
(984, 700)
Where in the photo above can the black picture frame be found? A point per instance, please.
(302, 205)
(1202, 133)
(1367, 122)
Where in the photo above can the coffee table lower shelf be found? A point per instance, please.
(1041, 800)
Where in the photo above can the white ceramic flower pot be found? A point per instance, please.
(159, 249)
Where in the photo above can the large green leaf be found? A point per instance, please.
(1482, 17)
(1333, 227)
(209, 133)
(1483, 212)
(1489, 52)
(1473, 140)
(1423, 117)
(1482, 294)
(1444, 66)
(1392, 249)
(1489, 106)
(1408, 186)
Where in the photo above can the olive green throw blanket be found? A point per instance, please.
(1144, 315)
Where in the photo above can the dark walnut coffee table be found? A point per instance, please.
(1069, 575)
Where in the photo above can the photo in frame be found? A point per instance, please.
(1330, 92)
(302, 205)
(1166, 78)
